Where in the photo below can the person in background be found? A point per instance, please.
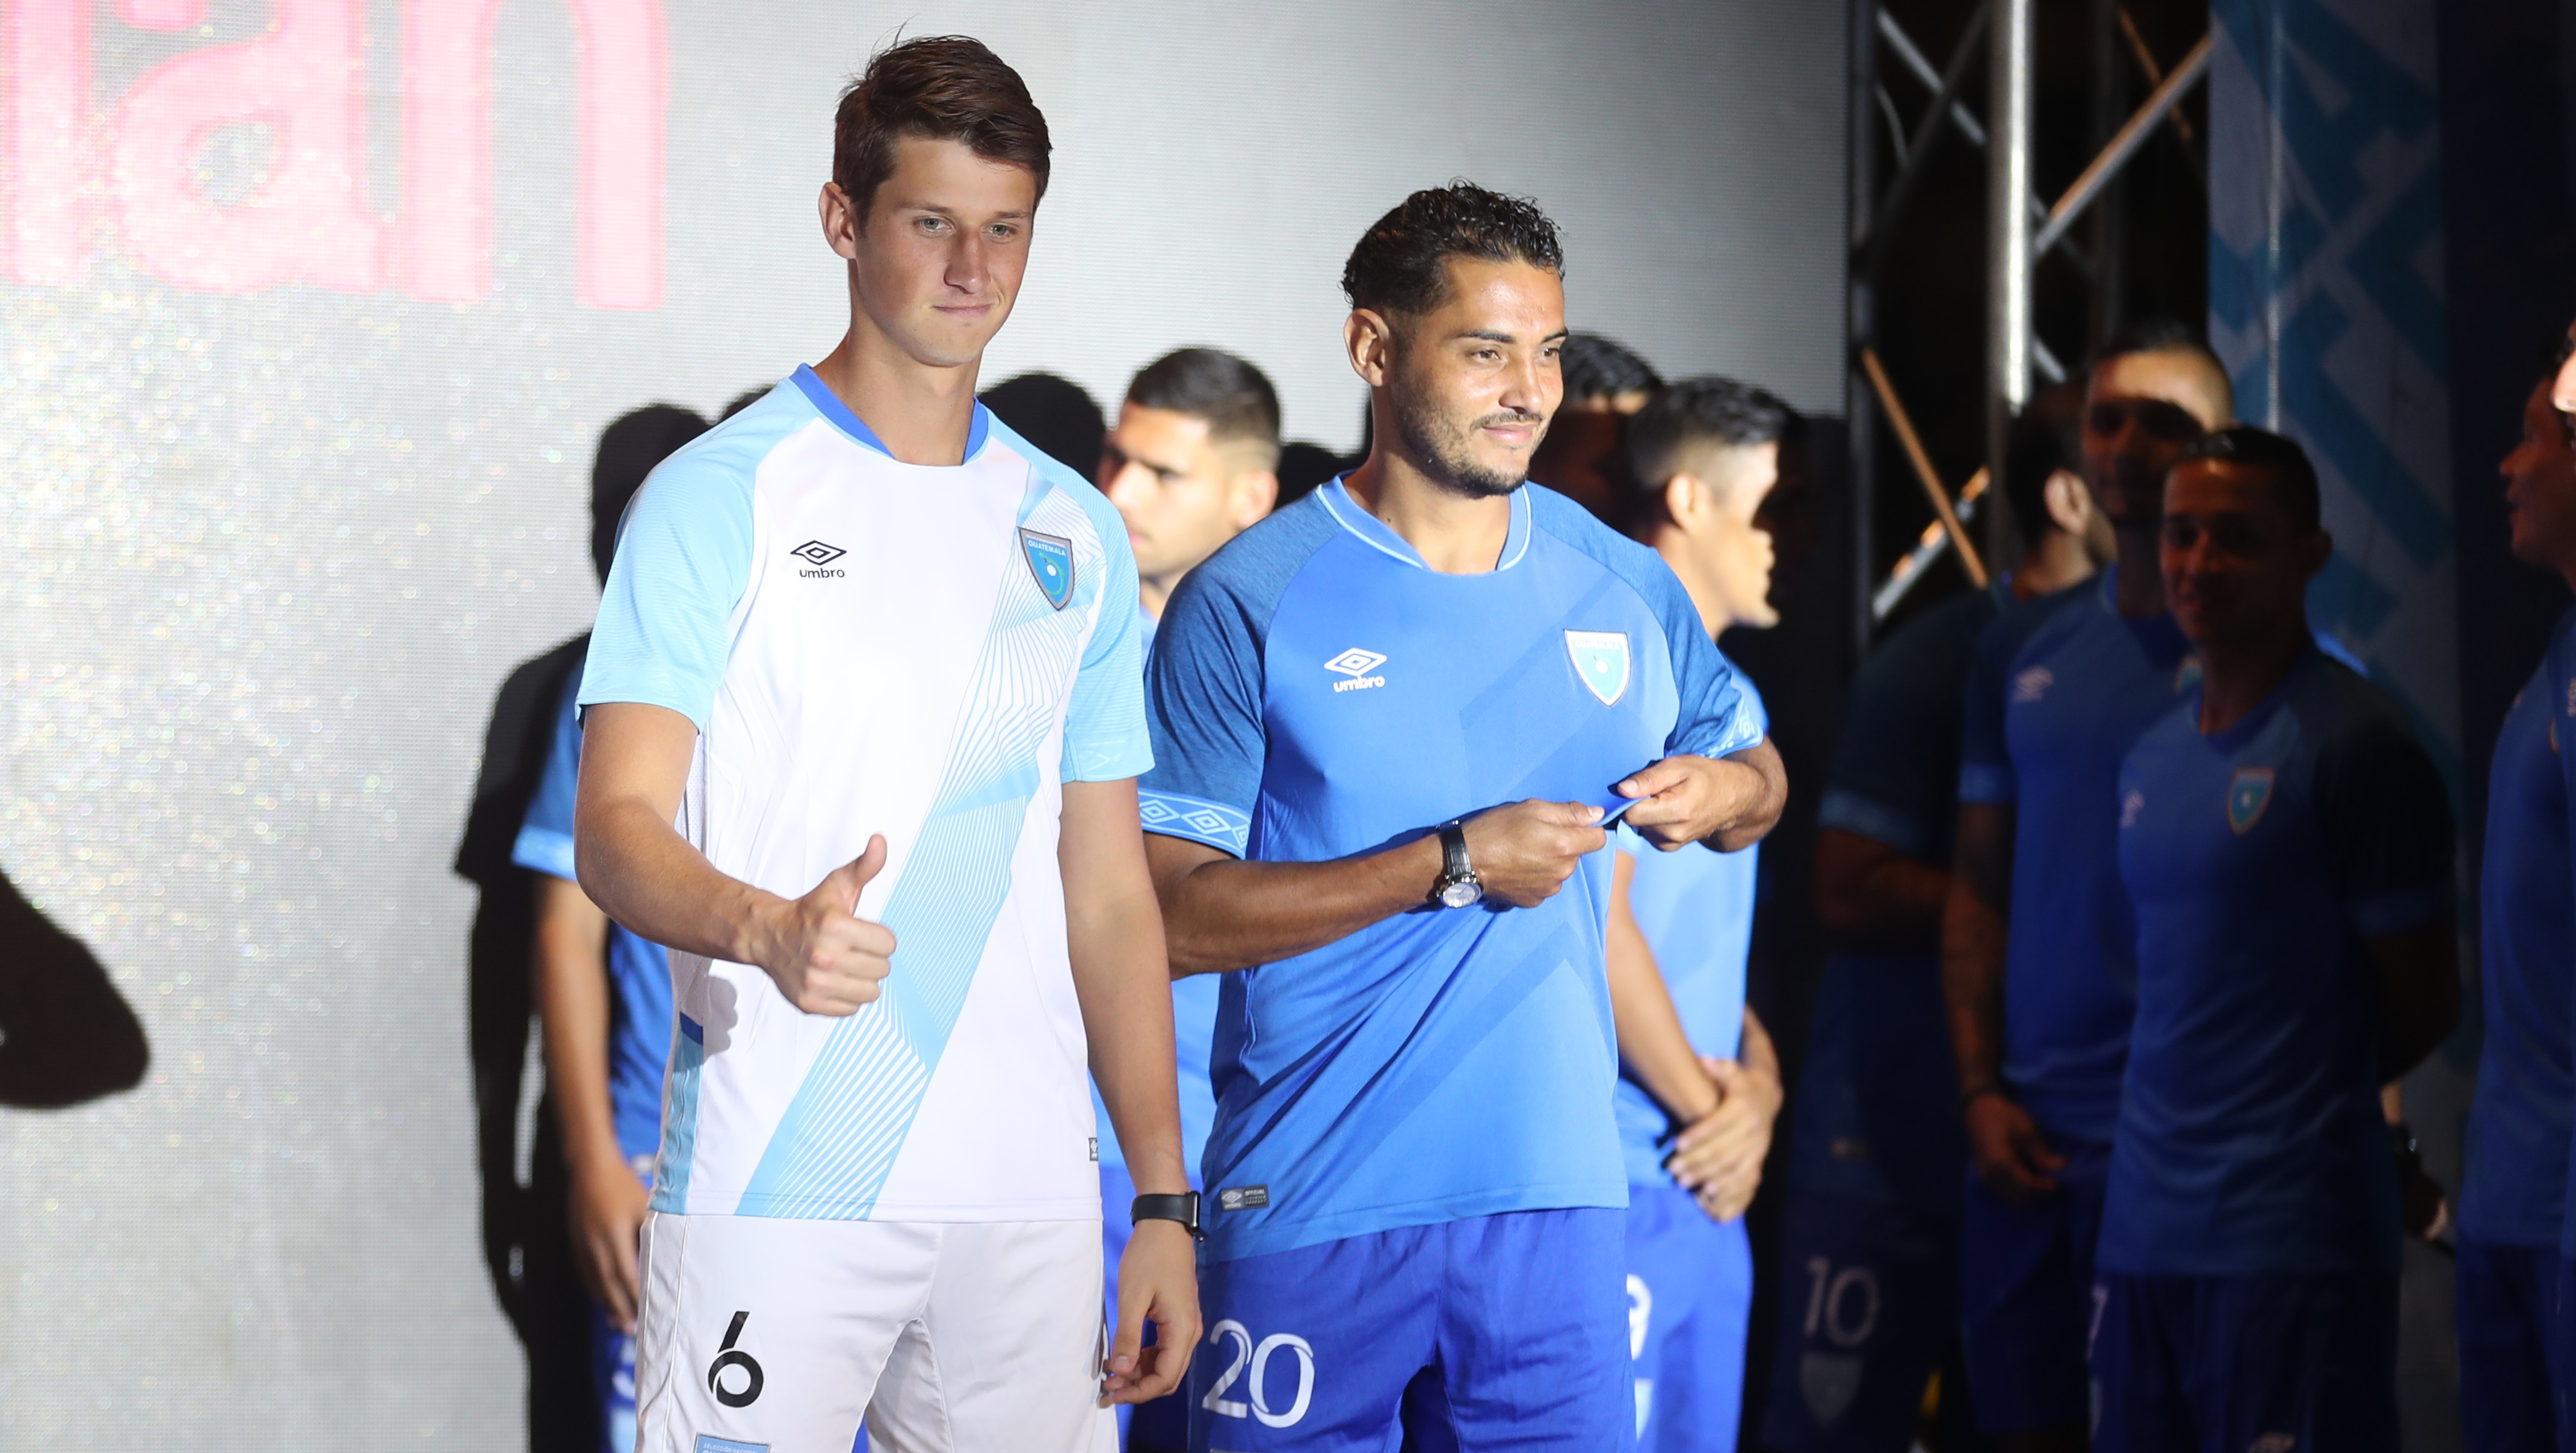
(603, 995)
(2036, 971)
(1053, 413)
(2513, 1198)
(1189, 467)
(1585, 451)
(1699, 1083)
(1869, 1265)
(2285, 847)
(1191, 464)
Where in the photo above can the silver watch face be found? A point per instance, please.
(1461, 893)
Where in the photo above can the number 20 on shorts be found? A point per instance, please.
(1250, 1366)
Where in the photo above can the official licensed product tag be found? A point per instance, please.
(1243, 1198)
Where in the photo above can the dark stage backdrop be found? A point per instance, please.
(310, 314)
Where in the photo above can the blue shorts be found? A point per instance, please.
(1869, 1304)
(1163, 1425)
(1493, 1332)
(2026, 1297)
(2246, 1362)
(1690, 1291)
(2511, 1347)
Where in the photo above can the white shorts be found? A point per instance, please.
(762, 1335)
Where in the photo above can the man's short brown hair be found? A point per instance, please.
(941, 88)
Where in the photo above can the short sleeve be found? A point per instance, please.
(1719, 713)
(683, 563)
(1985, 758)
(1203, 704)
(2387, 823)
(1105, 739)
(545, 836)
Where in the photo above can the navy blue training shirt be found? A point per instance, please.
(1317, 691)
(2257, 860)
(2515, 1190)
(2062, 687)
(1874, 1116)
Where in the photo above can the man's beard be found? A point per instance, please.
(1443, 449)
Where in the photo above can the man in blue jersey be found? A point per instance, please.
(2513, 1198)
(864, 712)
(1190, 464)
(1389, 724)
(1699, 1083)
(603, 995)
(2285, 848)
(2035, 960)
(1868, 1251)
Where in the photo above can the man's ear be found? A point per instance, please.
(1687, 499)
(1368, 336)
(2069, 503)
(1255, 494)
(840, 221)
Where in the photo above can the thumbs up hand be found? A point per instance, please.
(821, 954)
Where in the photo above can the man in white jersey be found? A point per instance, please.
(876, 658)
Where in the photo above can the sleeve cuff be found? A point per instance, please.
(1984, 782)
(1226, 829)
(696, 710)
(1850, 812)
(2389, 913)
(544, 850)
(1109, 762)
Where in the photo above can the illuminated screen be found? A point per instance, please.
(310, 315)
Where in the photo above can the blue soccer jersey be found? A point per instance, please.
(1695, 908)
(2514, 1193)
(2061, 688)
(2250, 1139)
(1316, 692)
(639, 973)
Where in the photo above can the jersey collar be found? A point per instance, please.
(837, 413)
(1373, 532)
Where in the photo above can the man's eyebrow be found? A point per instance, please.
(1132, 456)
(1496, 335)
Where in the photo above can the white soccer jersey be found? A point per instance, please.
(868, 646)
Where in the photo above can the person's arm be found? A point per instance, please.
(607, 1202)
(1720, 1158)
(1729, 802)
(2012, 1157)
(634, 766)
(2417, 977)
(1652, 1042)
(1114, 934)
(1871, 897)
(1222, 913)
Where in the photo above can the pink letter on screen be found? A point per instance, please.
(44, 73)
(447, 150)
(306, 222)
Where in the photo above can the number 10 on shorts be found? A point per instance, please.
(1250, 1366)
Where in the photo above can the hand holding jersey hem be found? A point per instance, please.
(1728, 803)
(821, 954)
(1524, 851)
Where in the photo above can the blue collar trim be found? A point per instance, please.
(829, 405)
(1373, 532)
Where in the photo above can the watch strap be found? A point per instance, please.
(1453, 853)
(1183, 1207)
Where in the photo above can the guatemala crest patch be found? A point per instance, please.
(2248, 793)
(1050, 560)
(1601, 659)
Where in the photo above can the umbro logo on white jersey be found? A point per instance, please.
(2033, 684)
(1356, 664)
(818, 554)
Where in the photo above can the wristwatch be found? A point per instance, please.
(1183, 1208)
(1459, 887)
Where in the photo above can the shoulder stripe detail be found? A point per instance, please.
(1170, 814)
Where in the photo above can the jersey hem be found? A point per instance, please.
(1276, 1236)
(799, 1208)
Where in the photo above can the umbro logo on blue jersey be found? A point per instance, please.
(818, 555)
(1356, 664)
(2033, 684)
(2248, 793)
(1601, 661)
(1050, 560)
